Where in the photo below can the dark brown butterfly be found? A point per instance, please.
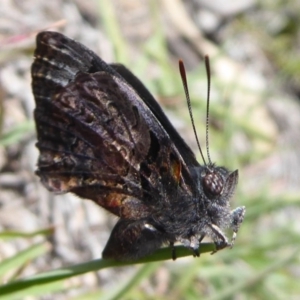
(102, 136)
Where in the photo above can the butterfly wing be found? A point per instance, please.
(105, 138)
(97, 137)
(60, 58)
(57, 61)
(185, 151)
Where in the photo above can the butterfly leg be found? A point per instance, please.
(237, 217)
(193, 243)
(173, 250)
(221, 241)
(196, 241)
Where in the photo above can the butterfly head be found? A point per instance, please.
(218, 183)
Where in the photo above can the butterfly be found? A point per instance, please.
(102, 136)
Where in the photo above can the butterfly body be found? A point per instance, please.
(102, 136)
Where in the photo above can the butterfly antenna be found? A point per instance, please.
(207, 66)
(188, 100)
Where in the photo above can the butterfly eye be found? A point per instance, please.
(213, 184)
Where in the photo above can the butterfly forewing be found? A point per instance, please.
(93, 135)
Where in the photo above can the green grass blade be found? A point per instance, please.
(22, 257)
(26, 285)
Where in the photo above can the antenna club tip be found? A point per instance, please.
(181, 64)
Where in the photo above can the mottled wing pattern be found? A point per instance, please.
(185, 151)
(97, 137)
